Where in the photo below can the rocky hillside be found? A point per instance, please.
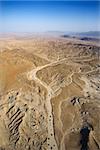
(49, 94)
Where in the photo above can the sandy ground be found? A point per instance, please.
(49, 94)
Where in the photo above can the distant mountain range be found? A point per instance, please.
(95, 34)
(89, 34)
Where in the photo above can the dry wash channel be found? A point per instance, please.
(49, 95)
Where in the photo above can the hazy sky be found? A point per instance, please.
(28, 16)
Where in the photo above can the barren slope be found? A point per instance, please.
(49, 94)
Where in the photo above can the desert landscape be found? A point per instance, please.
(49, 93)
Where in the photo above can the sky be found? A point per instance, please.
(42, 16)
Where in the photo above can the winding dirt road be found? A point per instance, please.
(32, 76)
